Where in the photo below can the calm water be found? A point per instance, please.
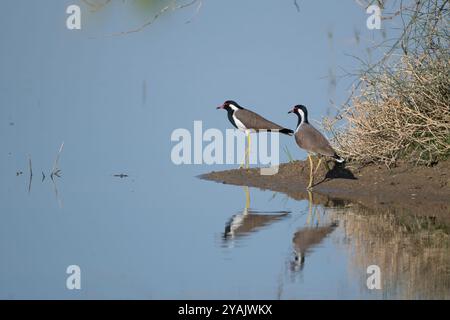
(160, 232)
(209, 241)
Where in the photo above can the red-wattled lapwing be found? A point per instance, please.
(307, 238)
(248, 221)
(248, 121)
(310, 236)
(311, 140)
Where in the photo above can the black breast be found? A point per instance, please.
(230, 117)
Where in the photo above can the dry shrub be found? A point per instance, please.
(401, 110)
(400, 115)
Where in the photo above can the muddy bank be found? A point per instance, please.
(417, 190)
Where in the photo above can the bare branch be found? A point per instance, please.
(157, 15)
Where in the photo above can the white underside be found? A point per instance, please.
(239, 124)
(237, 221)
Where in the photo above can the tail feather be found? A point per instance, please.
(338, 158)
(289, 132)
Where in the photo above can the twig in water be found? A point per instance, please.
(55, 170)
(156, 16)
(296, 5)
(31, 173)
(200, 4)
(55, 188)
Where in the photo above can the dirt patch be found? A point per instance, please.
(418, 190)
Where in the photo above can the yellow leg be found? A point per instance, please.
(318, 165)
(325, 163)
(245, 163)
(311, 166)
(310, 202)
(247, 198)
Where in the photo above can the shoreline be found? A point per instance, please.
(416, 190)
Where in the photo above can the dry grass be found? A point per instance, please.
(401, 109)
(400, 115)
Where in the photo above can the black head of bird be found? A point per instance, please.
(301, 111)
(230, 105)
(247, 120)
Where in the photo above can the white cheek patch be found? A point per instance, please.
(233, 107)
(302, 114)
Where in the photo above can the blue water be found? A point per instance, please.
(131, 243)
(114, 101)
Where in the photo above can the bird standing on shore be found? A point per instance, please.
(311, 140)
(249, 121)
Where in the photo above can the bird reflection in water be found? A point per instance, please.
(310, 236)
(249, 221)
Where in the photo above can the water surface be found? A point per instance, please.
(141, 227)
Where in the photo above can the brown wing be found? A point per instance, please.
(310, 139)
(253, 222)
(254, 121)
(307, 238)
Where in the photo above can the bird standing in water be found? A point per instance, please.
(311, 140)
(249, 121)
